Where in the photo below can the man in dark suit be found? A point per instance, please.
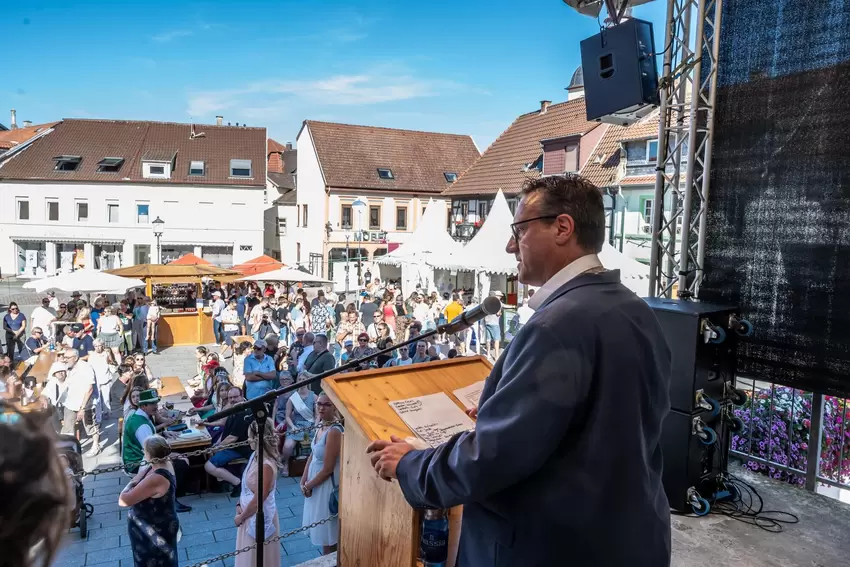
(564, 465)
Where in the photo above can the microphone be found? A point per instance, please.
(490, 306)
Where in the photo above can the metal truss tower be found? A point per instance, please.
(685, 138)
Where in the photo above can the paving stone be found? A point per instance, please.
(197, 539)
(103, 556)
(85, 546)
(106, 519)
(110, 531)
(287, 524)
(297, 546)
(228, 512)
(208, 550)
(207, 526)
(104, 491)
(291, 501)
(284, 512)
(225, 534)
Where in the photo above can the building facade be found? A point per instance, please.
(85, 195)
(280, 202)
(362, 190)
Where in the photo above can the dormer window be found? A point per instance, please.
(196, 168)
(67, 163)
(240, 168)
(110, 165)
(158, 165)
(385, 173)
(451, 177)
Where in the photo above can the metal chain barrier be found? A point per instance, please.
(275, 539)
(205, 451)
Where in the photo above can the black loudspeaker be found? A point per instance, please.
(695, 435)
(620, 75)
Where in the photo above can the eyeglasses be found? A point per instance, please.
(362, 340)
(517, 234)
(324, 405)
(258, 348)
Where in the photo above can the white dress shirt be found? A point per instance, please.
(564, 275)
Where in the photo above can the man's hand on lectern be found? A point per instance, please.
(385, 456)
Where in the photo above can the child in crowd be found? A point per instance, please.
(347, 352)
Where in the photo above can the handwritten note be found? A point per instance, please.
(434, 418)
(470, 395)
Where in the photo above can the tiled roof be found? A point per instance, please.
(638, 180)
(351, 155)
(287, 196)
(502, 165)
(11, 138)
(94, 140)
(282, 180)
(603, 166)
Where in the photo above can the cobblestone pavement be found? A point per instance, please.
(208, 529)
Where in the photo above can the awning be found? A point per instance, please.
(106, 241)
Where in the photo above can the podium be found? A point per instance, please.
(378, 528)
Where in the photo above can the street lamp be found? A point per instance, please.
(158, 226)
(358, 204)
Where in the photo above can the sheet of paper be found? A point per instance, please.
(470, 395)
(434, 418)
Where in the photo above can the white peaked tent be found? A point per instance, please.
(633, 274)
(486, 251)
(429, 245)
(85, 280)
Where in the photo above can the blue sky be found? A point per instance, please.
(463, 66)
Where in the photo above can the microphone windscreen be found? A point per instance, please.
(491, 305)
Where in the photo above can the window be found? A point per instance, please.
(423, 210)
(240, 168)
(156, 170)
(110, 165)
(23, 209)
(67, 163)
(401, 218)
(143, 214)
(385, 173)
(53, 211)
(652, 150)
(82, 212)
(345, 217)
(112, 212)
(297, 215)
(298, 252)
(374, 218)
(196, 168)
(304, 216)
(451, 177)
(281, 227)
(646, 209)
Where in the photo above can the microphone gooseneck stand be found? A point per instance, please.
(259, 408)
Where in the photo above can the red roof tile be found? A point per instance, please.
(11, 138)
(351, 155)
(502, 166)
(94, 140)
(603, 168)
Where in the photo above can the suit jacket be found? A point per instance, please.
(564, 465)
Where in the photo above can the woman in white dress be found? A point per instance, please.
(321, 475)
(105, 367)
(249, 501)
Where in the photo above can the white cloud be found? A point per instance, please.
(165, 37)
(362, 89)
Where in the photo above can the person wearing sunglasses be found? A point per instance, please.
(15, 325)
(259, 370)
(591, 346)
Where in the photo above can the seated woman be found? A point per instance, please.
(129, 402)
(209, 405)
(295, 413)
(222, 394)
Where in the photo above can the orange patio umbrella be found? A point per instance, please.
(190, 260)
(258, 265)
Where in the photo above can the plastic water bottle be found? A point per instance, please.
(52, 344)
(434, 543)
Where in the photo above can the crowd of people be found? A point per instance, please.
(100, 370)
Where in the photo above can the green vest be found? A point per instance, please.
(131, 450)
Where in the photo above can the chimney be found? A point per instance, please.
(14, 123)
(218, 120)
(544, 106)
(27, 123)
(288, 146)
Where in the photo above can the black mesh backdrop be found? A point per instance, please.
(779, 222)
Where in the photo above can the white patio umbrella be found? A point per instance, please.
(286, 274)
(85, 280)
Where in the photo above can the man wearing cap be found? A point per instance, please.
(80, 384)
(217, 310)
(83, 343)
(138, 427)
(43, 315)
(493, 330)
(260, 373)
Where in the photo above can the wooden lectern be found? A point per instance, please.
(378, 528)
